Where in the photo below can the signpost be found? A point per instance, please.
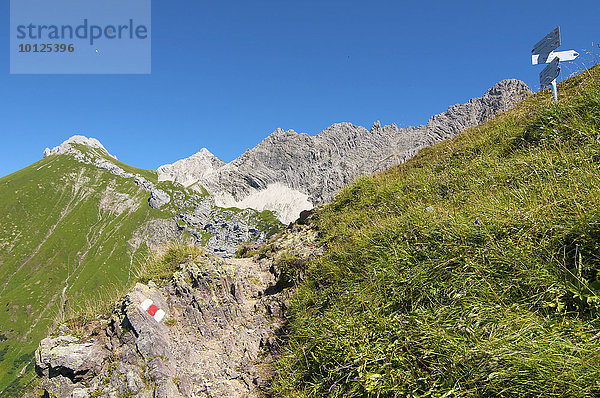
(562, 56)
(543, 53)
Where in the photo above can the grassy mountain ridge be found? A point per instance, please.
(471, 270)
(62, 242)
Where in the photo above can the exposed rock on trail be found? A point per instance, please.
(221, 318)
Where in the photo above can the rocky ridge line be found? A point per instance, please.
(67, 146)
(220, 230)
(314, 168)
(158, 197)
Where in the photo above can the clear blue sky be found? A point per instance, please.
(226, 74)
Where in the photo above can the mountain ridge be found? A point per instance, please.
(288, 172)
(314, 168)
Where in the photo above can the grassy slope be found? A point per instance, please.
(471, 270)
(54, 233)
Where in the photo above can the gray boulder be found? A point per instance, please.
(158, 198)
(151, 335)
(64, 356)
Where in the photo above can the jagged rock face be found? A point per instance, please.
(313, 169)
(64, 354)
(220, 318)
(228, 229)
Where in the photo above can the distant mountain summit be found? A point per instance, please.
(188, 171)
(69, 146)
(288, 172)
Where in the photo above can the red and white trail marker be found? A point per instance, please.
(148, 306)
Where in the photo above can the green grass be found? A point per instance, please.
(159, 267)
(51, 226)
(266, 221)
(471, 270)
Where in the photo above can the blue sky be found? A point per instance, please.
(226, 74)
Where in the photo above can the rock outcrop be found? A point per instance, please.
(220, 316)
(66, 362)
(220, 230)
(311, 169)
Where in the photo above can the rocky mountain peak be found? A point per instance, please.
(67, 146)
(376, 126)
(336, 127)
(157, 198)
(290, 171)
(508, 86)
(189, 170)
(281, 134)
(204, 153)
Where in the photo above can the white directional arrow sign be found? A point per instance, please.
(550, 73)
(562, 56)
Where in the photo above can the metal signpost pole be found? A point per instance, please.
(554, 90)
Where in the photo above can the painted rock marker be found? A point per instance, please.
(148, 306)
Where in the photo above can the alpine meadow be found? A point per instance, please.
(472, 270)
